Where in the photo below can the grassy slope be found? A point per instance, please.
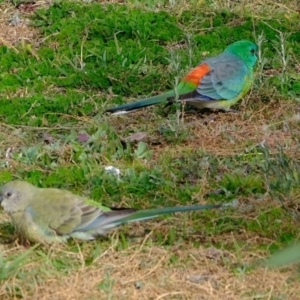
(79, 59)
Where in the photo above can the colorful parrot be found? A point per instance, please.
(50, 215)
(217, 82)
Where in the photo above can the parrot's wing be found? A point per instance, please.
(225, 80)
(60, 210)
(98, 218)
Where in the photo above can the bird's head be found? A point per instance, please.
(245, 50)
(15, 195)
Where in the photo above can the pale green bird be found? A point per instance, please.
(50, 215)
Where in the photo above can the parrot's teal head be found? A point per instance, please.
(245, 50)
(15, 195)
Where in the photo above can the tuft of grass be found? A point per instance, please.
(12, 266)
(282, 178)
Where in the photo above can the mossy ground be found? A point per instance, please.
(63, 64)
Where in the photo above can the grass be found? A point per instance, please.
(57, 76)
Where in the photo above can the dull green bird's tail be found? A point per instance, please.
(153, 213)
(114, 217)
(141, 103)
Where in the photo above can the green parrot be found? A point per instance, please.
(50, 215)
(217, 82)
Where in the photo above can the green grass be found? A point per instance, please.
(91, 56)
(126, 50)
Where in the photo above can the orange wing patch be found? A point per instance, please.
(196, 74)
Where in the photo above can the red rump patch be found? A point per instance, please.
(196, 74)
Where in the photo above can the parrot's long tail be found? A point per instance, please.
(122, 109)
(149, 214)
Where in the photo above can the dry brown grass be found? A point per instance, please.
(143, 272)
(11, 35)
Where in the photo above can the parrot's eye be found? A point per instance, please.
(8, 194)
(252, 51)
